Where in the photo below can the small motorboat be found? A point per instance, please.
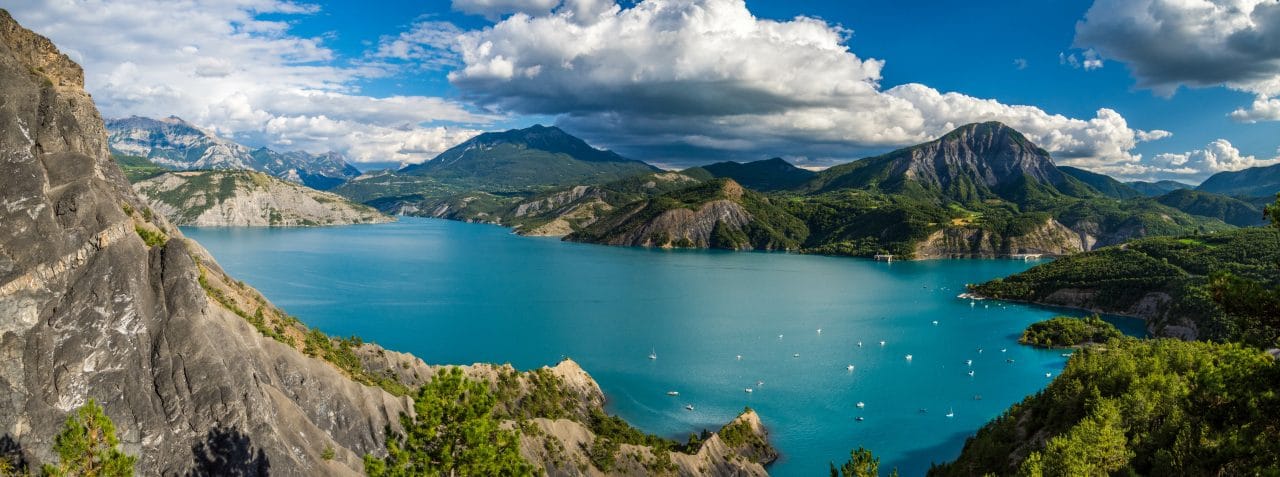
(861, 404)
(688, 407)
(859, 418)
(859, 344)
(849, 367)
(908, 357)
(977, 397)
(819, 330)
(1066, 355)
(739, 357)
(1010, 360)
(779, 336)
(979, 350)
(968, 362)
(1004, 350)
(797, 355)
(971, 373)
(922, 411)
(759, 383)
(673, 393)
(749, 390)
(881, 342)
(951, 413)
(935, 322)
(1048, 375)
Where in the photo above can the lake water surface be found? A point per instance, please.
(456, 293)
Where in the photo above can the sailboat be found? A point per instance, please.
(653, 354)
(951, 412)
(673, 393)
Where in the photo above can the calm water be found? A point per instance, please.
(460, 293)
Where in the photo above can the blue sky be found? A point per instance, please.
(1135, 88)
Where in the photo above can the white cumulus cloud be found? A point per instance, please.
(686, 78)
(1217, 156)
(218, 64)
(1193, 43)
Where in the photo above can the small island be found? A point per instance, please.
(1069, 332)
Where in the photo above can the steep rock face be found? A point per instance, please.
(716, 214)
(685, 227)
(89, 311)
(1051, 238)
(248, 199)
(972, 163)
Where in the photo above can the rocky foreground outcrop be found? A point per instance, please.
(201, 375)
(248, 199)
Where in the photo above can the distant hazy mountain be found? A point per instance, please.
(1152, 189)
(1207, 204)
(766, 175)
(1102, 183)
(1251, 182)
(176, 144)
(521, 158)
(973, 163)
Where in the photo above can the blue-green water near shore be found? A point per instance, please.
(459, 293)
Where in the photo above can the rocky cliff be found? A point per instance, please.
(716, 214)
(1050, 238)
(201, 375)
(248, 199)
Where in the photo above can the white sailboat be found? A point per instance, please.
(653, 354)
(951, 412)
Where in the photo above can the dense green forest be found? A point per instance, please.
(1066, 331)
(1139, 407)
(1158, 406)
(1199, 274)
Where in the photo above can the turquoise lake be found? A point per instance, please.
(457, 293)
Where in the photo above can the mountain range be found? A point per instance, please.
(174, 144)
(981, 190)
(1254, 182)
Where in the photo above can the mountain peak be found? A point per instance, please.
(763, 175)
(971, 163)
(992, 135)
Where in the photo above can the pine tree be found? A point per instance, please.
(453, 432)
(87, 447)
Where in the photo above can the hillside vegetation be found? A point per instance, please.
(1139, 407)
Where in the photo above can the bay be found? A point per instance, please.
(457, 293)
